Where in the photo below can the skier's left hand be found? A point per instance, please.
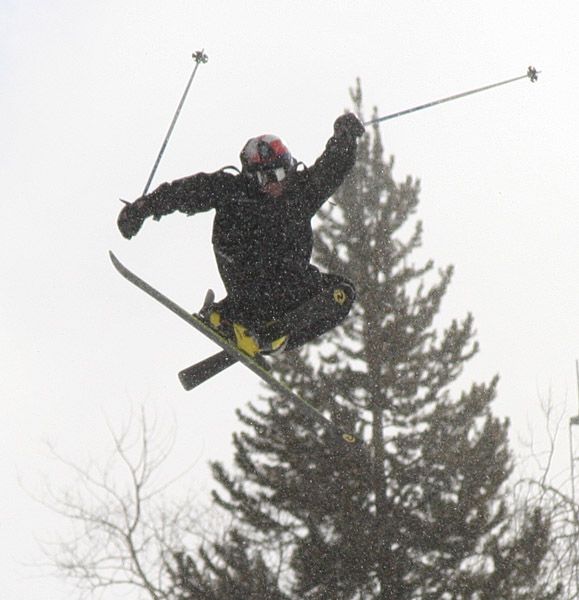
(131, 219)
(348, 125)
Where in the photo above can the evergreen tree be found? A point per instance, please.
(233, 573)
(423, 515)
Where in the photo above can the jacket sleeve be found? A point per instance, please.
(189, 195)
(326, 175)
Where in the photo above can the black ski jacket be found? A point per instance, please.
(262, 245)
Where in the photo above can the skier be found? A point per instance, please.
(262, 239)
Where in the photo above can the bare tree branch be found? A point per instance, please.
(122, 525)
(553, 493)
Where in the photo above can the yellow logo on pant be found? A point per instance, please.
(340, 296)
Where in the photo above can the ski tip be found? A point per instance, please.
(118, 265)
(114, 259)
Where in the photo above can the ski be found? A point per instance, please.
(311, 411)
(196, 374)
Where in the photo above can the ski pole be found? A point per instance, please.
(531, 74)
(200, 57)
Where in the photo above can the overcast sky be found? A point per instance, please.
(87, 92)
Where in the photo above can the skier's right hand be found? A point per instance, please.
(131, 218)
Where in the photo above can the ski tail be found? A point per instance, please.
(195, 375)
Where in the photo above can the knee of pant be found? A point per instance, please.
(343, 295)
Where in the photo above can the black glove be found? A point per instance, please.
(348, 125)
(131, 219)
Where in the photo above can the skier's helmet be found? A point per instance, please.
(266, 159)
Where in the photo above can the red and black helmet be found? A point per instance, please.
(266, 156)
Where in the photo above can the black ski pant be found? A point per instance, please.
(322, 312)
(305, 302)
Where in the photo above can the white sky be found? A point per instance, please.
(87, 91)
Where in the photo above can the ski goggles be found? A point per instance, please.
(265, 176)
